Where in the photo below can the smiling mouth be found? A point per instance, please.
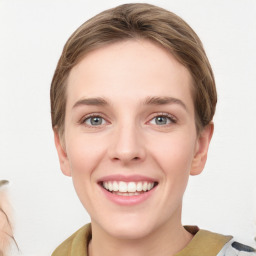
(123, 188)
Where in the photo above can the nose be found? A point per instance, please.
(127, 145)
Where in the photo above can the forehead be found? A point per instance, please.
(129, 68)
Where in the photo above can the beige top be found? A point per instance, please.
(203, 243)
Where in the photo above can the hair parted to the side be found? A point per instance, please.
(138, 21)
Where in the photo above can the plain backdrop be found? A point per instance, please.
(46, 208)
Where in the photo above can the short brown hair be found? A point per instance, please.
(143, 21)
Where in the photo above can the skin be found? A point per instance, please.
(130, 141)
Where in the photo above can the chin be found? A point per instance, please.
(130, 232)
(129, 227)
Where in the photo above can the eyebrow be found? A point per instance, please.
(98, 101)
(164, 101)
(91, 102)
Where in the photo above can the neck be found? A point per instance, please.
(167, 240)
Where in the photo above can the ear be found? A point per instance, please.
(63, 159)
(201, 149)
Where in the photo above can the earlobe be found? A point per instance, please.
(203, 142)
(63, 159)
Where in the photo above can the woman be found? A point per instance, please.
(132, 100)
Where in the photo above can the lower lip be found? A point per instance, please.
(127, 200)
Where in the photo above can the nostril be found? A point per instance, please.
(122, 158)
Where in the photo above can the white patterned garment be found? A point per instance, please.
(233, 248)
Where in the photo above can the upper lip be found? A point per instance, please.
(126, 178)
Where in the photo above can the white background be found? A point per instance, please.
(32, 34)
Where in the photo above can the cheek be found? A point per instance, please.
(84, 154)
(176, 148)
(174, 155)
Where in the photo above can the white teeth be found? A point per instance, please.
(127, 194)
(131, 187)
(128, 188)
(115, 186)
(150, 185)
(139, 186)
(110, 186)
(145, 186)
(122, 187)
(105, 185)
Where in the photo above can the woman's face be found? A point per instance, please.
(130, 139)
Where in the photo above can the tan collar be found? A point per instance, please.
(203, 243)
(75, 245)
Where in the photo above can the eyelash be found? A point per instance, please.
(87, 117)
(171, 118)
